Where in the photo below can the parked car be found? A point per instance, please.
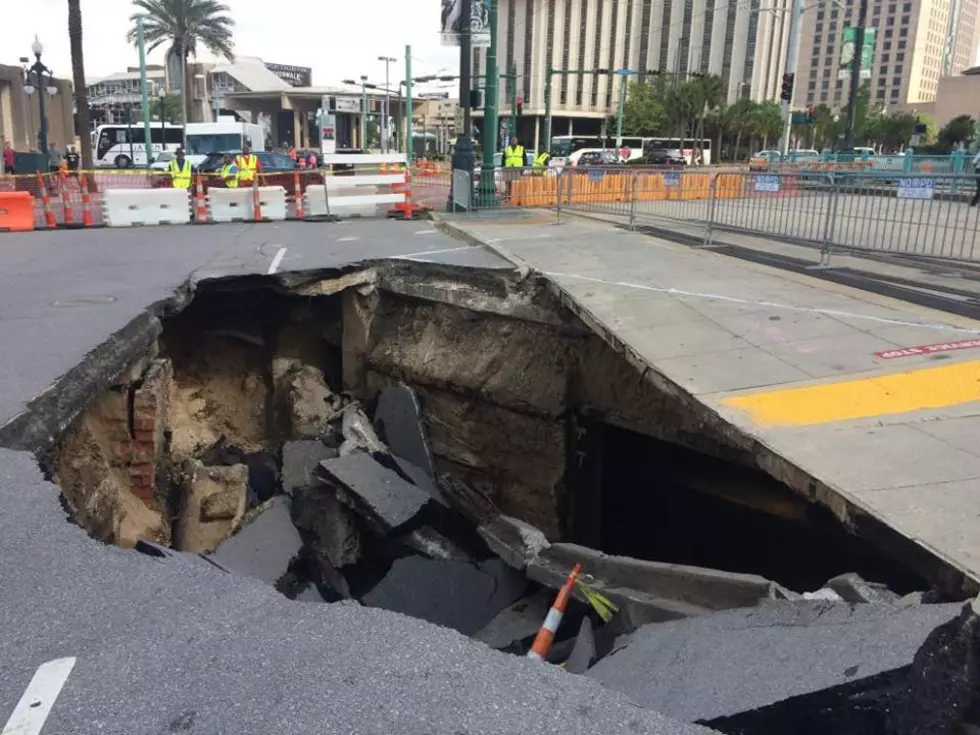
(161, 162)
(598, 158)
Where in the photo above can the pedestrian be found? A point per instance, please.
(180, 171)
(9, 157)
(976, 173)
(73, 160)
(248, 165)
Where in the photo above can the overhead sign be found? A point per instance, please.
(916, 188)
(848, 50)
(346, 104)
(453, 23)
(297, 76)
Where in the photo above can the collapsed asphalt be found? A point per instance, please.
(174, 644)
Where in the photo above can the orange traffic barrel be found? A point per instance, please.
(16, 211)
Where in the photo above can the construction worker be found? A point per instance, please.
(513, 162)
(541, 163)
(229, 172)
(180, 171)
(248, 165)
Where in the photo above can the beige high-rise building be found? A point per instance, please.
(742, 41)
(917, 42)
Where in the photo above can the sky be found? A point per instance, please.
(345, 36)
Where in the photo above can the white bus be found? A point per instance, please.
(562, 146)
(124, 146)
(224, 136)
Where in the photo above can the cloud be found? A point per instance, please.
(338, 39)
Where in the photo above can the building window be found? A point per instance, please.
(901, 44)
(894, 94)
(899, 57)
(888, 32)
(903, 32)
(825, 85)
(826, 73)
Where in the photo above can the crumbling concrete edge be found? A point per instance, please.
(934, 566)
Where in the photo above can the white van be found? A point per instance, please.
(200, 139)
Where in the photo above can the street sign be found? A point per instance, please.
(916, 188)
(672, 178)
(595, 174)
(328, 133)
(848, 51)
(767, 184)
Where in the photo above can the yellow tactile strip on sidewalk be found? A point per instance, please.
(883, 395)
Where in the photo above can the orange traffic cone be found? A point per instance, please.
(256, 200)
(298, 194)
(86, 204)
(546, 635)
(49, 220)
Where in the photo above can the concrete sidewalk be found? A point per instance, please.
(830, 385)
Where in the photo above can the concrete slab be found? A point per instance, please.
(398, 421)
(263, 547)
(794, 363)
(385, 499)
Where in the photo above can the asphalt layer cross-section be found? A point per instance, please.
(177, 645)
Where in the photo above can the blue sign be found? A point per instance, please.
(596, 174)
(768, 184)
(916, 188)
(672, 178)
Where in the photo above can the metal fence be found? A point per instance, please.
(910, 214)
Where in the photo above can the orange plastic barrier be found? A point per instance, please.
(16, 211)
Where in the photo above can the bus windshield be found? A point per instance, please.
(202, 144)
(563, 146)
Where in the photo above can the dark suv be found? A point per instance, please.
(660, 157)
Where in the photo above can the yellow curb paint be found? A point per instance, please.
(884, 395)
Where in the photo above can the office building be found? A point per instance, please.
(742, 41)
(917, 43)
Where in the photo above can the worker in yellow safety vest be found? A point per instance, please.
(248, 165)
(541, 163)
(180, 171)
(229, 172)
(513, 162)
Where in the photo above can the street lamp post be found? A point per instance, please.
(463, 159)
(364, 111)
(162, 95)
(39, 70)
(385, 133)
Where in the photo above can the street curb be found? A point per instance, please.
(458, 233)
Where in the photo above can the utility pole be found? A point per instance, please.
(386, 106)
(490, 124)
(364, 111)
(463, 154)
(42, 87)
(512, 82)
(792, 57)
(408, 105)
(145, 95)
(624, 76)
(855, 76)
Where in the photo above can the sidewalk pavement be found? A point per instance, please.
(834, 384)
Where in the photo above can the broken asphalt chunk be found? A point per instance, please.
(265, 545)
(358, 432)
(329, 525)
(520, 620)
(384, 498)
(300, 460)
(736, 661)
(854, 588)
(398, 422)
(455, 594)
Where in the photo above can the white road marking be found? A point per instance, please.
(769, 304)
(35, 705)
(426, 232)
(347, 239)
(410, 256)
(274, 265)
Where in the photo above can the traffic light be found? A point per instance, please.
(787, 93)
(520, 106)
(476, 99)
(811, 115)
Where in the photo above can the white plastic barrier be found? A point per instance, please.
(129, 207)
(357, 195)
(236, 205)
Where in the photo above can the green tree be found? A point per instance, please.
(643, 111)
(957, 130)
(738, 121)
(78, 80)
(767, 122)
(708, 92)
(682, 109)
(185, 25)
(172, 107)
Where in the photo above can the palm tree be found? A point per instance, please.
(739, 119)
(78, 80)
(710, 92)
(185, 25)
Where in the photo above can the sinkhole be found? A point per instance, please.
(526, 413)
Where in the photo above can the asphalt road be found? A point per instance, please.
(176, 645)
